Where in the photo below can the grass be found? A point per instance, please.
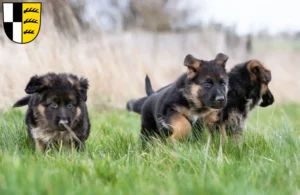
(268, 162)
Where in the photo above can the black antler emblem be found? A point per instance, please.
(31, 10)
(30, 20)
(29, 31)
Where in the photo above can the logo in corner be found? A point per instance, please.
(22, 21)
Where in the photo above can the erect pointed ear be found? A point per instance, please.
(37, 84)
(83, 87)
(221, 59)
(193, 65)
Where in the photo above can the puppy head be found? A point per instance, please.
(261, 76)
(207, 81)
(57, 98)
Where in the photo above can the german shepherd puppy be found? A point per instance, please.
(171, 111)
(248, 88)
(57, 112)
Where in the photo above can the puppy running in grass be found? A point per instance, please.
(248, 88)
(57, 114)
(170, 112)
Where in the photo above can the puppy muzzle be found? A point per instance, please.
(62, 124)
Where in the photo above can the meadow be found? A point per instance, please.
(268, 161)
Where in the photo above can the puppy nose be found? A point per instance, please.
(220, 99)
(62, 122)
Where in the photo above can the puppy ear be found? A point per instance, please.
(35, 84)
(193, 65)
(256, 69)
(221, 59)
(83, 87)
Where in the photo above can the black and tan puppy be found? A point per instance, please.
(248, 88)
(171, 111)
(57, 112)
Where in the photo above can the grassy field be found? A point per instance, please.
(267, 163)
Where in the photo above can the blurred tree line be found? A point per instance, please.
(73, 16)
(118, 15)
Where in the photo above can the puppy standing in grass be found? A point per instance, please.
(171, 111)
(57, 113)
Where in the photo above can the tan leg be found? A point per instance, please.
(223, 133)
(39, 145)
(211, 129)
(210, 121)
(181, 128)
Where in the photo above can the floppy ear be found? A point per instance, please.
(36, 84)
(256, 69)
(221, 59)
(193, 65)
(83, 87)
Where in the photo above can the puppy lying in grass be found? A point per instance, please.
(57, 114)
(170, 112)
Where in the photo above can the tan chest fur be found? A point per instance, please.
(210, 116)
(46, 135)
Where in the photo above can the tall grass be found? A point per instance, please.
(267, 162)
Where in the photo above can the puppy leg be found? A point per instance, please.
(237, 133)
(223, 132)
(180, 126)
(211, 122)
(39, 145)
(211, 129)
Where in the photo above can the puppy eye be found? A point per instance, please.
(70, 105)
(207, 84)
(53, 105)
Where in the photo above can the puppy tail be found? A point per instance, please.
(148, 86)
(135, 105)
(22, 102)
